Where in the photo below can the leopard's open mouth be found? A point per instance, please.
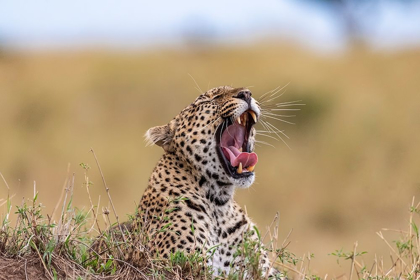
(233, 145)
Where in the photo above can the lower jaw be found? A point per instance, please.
(230, 170)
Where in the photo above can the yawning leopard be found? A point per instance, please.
(208, 153)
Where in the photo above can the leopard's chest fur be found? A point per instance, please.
(180, 212)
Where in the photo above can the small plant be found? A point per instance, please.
(405, 258)
(340, 254)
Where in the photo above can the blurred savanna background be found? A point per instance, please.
(77, 75)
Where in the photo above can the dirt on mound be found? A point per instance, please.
(29, 267)
(21, 268)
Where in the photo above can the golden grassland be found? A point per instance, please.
(353, 166)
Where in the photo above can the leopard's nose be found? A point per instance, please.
(244, 94)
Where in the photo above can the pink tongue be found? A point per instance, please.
(235, 157)
(232, 140)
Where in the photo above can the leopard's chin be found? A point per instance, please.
(244, 182)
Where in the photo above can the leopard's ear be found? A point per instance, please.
(162, 136)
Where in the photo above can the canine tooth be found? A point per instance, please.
(241, 149)
(254, 116)
(250, 168)
(239, 168)
(239, 120)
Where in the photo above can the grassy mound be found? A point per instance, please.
(37, 246)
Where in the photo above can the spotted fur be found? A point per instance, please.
(190, 186)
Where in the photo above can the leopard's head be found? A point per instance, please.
(215, 135)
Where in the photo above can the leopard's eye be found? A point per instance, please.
(217, 96)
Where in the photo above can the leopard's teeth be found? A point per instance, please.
(239, 170)
(239, 120)
(253, 115)
(241, 149)
(250, 168)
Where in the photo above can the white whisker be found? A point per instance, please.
(279, 115)
(274, 98)
(269, 136)
(268, 92)
(291, 104)
(197, 86)
(272, 93)
(265, 131)
(265, 126)
(285, 109)
(265, 143)
(276, 130)
(271, 117)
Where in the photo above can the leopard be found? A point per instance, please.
(189, 204)
(208, 154)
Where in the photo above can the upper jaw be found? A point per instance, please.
(252, 107)
(244, 118)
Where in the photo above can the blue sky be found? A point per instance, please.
(75, 23)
